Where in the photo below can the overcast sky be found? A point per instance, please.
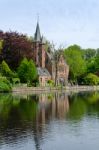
(64, 22)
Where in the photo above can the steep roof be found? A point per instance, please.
(37, 36)
(43, 72)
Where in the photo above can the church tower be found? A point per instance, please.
(39, 48)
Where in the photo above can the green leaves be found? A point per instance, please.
(32, 72)
(74, 58)
(5, 85)
(91, 79)
(27, 71)
(5, 70)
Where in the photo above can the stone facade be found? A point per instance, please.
(44, 76)
(46, 64)
(63, 71)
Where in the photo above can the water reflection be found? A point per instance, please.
(31, 117)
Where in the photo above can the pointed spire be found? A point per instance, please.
(37, 36)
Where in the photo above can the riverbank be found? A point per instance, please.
(24, 89)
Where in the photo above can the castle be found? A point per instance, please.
(46, 64)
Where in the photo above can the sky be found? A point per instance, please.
(63, 22)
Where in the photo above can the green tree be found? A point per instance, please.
(23, 70)
(97, 63)
(89, 56)
(5, 70)
(27, 71)
(91, 79)
(32, 72)
(89, 53)
(91, 65)
(77, 64)
(5, 85)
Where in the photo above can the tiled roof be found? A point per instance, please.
(43, 72)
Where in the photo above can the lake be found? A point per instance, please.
(50, 121)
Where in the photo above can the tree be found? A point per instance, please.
(15, 47)
(93, 65)
(89, 53)
(27, 71)
(5, 70)
(96, 64)
(89, 56)
(76, 62)
(32, 73)
(23, 70)
(5, 85)
(91, 79)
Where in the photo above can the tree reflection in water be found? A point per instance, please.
(25, 115)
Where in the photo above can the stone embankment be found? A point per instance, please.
(24, 89)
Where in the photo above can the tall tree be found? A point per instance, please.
(74, 58)
(15, 47)
(5, 70)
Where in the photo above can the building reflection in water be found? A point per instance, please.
(53, 106)
(50, 107)
(33, 117)
(30, 116)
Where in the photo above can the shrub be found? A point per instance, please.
(50, 82)
(15, 80)
(5, 85)
(91, 79)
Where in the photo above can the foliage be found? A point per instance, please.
(91, 79)
(91, 65)
(32, 72)
(50, 82)
(91, 57)
(5, 70)
(15, 80)
(15, 47)
(77, 64)
(5, 85)
(27, 71)
(96, 63)
(89, 53)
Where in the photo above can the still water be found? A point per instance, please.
(56, 121)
